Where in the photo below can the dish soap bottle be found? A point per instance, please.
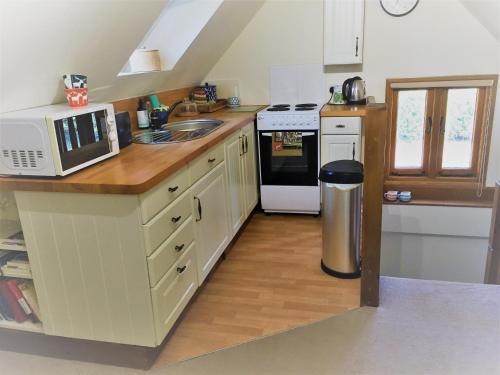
(142, 115)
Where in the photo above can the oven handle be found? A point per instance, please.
(306, 134)
(267, 134)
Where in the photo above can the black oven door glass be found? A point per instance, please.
(289, 158)
(82, 138)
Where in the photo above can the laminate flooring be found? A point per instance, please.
(270, 281)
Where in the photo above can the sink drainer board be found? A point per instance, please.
(181, 131)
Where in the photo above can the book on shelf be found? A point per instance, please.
(15, 264)
(13, 242)
(19, 315)
(5, 310)
(28, 290)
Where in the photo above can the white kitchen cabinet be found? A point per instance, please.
(235, 187)
(343, 32)
(242, 176)
(340, 147)
(211, 219)
(249, 168)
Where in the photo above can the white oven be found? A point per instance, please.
(56, 140)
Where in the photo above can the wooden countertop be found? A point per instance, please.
(331, 110)
(138, 167)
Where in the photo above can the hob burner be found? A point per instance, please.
(306, 105)
(278, 109)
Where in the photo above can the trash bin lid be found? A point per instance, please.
(342, 172)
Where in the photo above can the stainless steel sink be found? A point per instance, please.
(180, 131)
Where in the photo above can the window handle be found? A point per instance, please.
(429, 124)
(441, 125)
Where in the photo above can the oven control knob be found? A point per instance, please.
(260, 117)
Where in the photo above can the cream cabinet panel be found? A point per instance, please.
(235, 188)
(343, 32)
(166, 222)
(159, 197)
(206, 162)
(173, 292)
(340, 147)
(89, 265)
(211, 219)
(169, 251)
(249, 169)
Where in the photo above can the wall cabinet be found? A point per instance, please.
(343, 32)
(211, 219)
(242, 175)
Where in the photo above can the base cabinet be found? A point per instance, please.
(340, 147)
(121, 268)
(242, 176)
(211, 219)
(249, 159)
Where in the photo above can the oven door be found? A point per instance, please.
(289, 157)
(82, 138)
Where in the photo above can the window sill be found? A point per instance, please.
(443, 203)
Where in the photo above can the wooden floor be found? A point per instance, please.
(269, 282)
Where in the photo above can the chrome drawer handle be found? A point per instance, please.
(176, 219)
(211, 160)
(181, 269)
(172, 189)
(179, 248)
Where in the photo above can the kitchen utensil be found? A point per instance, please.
(391, 195)
(354, 91)
(405, 196)
(233, 101)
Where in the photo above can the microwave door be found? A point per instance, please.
(82, 138)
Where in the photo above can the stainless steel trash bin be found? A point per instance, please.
(341, 183)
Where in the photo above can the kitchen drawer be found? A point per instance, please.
(154, 200)
(206, 162)
(341, 125)
(173, 293)
(166, 222)
(169, 251)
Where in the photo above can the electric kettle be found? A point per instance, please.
(354, 91)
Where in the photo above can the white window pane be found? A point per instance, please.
(459, 130)
(410, 129)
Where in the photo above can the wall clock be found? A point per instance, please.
(398, 8)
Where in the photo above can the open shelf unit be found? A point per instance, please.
(27, 326)
(12, 241)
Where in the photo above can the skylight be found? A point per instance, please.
(175, 29)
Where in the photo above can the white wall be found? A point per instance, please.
(41, 40)
(436, 243)
(440, 37)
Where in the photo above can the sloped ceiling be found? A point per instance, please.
(42, 40)
(487, 12)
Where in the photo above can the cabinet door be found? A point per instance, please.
(249, 169)
(211, 219)
(343, 32)
(235, 187)
(340, 147)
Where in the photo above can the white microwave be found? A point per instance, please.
(56, 140)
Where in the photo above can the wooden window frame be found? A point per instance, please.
(431, 182)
